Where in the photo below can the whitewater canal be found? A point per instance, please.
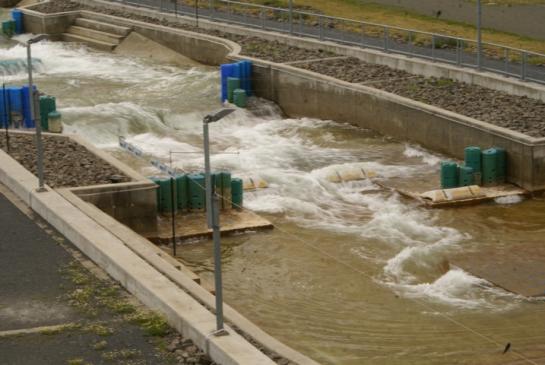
(352, 273)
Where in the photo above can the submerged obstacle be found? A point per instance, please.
(354, 174)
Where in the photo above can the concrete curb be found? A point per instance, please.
(156, 291)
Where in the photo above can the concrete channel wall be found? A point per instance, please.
(303, 93)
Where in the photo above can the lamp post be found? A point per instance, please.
(32, 98)
(212, 216)
(479, 36)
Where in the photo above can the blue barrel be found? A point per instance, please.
(247, 81)
(449, 175)
(17, 16)
(472, 158)
(196, 192)
(4, 108)
(28, 122)
(237, 192)
(226, 70)
(501, 165)
(16, 99)
(182, 192)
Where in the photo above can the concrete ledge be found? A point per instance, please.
(135, 274)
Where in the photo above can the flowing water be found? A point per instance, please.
(352, 273)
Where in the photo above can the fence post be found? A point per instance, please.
(321, 22)
(523, 66)
(386, 39)
(291, 16)
(433, 47)
(506, 59)
(458, 52)
(211, 9)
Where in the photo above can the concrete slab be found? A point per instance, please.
(517, 268)
(193, 225)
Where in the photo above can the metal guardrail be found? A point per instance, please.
(504, 60)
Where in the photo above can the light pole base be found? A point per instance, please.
(219, 333)
(41, 190)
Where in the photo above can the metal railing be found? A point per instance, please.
(508, 61)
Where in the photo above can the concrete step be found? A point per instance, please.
(102, 27)
(93, 43)
(95, 34)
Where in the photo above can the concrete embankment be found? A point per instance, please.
(138, 276)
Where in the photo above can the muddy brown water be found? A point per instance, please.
(345, 277)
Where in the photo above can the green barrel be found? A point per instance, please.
(472, 158)
(449, 175)
(501, 164)
(490, 166)
(465, 176)
(196, 191)
(8, 27)
(240, 98)
(233, 83)
(182, 193)
(237, 192)
(47, 105)
(156, 180)
(226, 190)
(168, 188)
(54, 122)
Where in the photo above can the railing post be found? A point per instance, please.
(433, 47)
(386, 39)
(523, 66)
(211, 9)
(321, 22)
(363, 34)
(479, 36)
(458, 52)
(506, 59)
(262, 17)
(411, 46)
(291, 16)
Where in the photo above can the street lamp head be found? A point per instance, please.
(37, 38)
(211, 118)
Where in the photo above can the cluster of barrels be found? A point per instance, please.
(187, 192)
(14, 25)
(236, 84)
(486, 168)
(15, 110)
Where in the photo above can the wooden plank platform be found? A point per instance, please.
(489, 194)
(518, 268)
(193, 225)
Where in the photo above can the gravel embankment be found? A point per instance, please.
(66, 163)
(518, 113)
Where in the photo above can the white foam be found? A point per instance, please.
(427, 157)
(507, 200)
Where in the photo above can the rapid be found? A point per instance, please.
(352, 273)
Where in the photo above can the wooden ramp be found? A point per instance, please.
(518, 268)
(193, 225)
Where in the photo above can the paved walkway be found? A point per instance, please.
(53, 310)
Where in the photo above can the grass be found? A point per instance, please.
(394, 16)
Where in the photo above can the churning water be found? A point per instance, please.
(353, 273)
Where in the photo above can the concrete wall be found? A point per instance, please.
(527, 20)
(302, 93)
(133, 204)
(52, 24)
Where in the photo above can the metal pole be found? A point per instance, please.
(291, 16)
(217, 263)
(39, 148)
(173, 215)
(6, 118)
(208, 177)
(479, 36)
(197, 13)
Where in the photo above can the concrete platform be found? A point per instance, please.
(193, 225)
(518, 268)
